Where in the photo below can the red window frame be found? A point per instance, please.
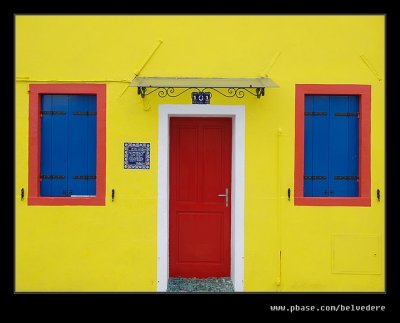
(35, 93)
(364, 192)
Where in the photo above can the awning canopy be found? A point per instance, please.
(234, 86)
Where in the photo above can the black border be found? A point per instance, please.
(113, 305)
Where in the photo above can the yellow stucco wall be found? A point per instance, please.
(114, 247)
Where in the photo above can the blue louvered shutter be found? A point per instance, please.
(316, 150)
(343, 160)
(82, 145)
(331, 145)
(68, 145)
(53, 162)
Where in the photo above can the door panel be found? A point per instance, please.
(187, 175)
(213, 160)
(200, 170)
(198, 232)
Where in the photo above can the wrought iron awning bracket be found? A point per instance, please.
(176, 86)
(231, 91)
(260, 91)
(141, 90)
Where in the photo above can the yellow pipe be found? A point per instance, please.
(149, 57)
(273, 61)
(278, 209)
(144, 64)
(371, 67)
(27, 79)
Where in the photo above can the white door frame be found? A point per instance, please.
(237, 112)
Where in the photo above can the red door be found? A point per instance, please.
(199, 211)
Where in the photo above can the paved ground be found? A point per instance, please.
(207, 285)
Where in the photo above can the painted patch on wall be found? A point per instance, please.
(356, 254)
(136, 155)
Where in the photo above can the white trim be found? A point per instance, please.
(237, 112)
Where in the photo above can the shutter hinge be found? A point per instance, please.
(52, 113)
(315, 114)
(84, 113)
(52, 176)
(347, 114)
(315, 177)
(346, 178)
(84, 177)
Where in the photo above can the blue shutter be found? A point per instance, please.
(308, 145)
(53, 163)
(77, 145)
(353, 123)
(68, 145)
(92, 144)
(343, 160)
(331, 143)
(316, 150)
(82, 145)
(45, 146)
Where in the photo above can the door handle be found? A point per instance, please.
(226, 197)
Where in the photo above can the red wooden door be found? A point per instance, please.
(200, 220)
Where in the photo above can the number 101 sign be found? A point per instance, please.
(201, 97)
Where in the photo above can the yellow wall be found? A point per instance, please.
(114, 248)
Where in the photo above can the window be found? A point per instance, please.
(332, 164)
(331, 145)
(67, 144)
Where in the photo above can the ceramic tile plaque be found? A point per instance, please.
(136, 155)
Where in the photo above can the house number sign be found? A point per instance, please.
(201, 97)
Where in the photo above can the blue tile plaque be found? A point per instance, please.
(136, 155)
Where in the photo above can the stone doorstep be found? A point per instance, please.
(213, 285)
